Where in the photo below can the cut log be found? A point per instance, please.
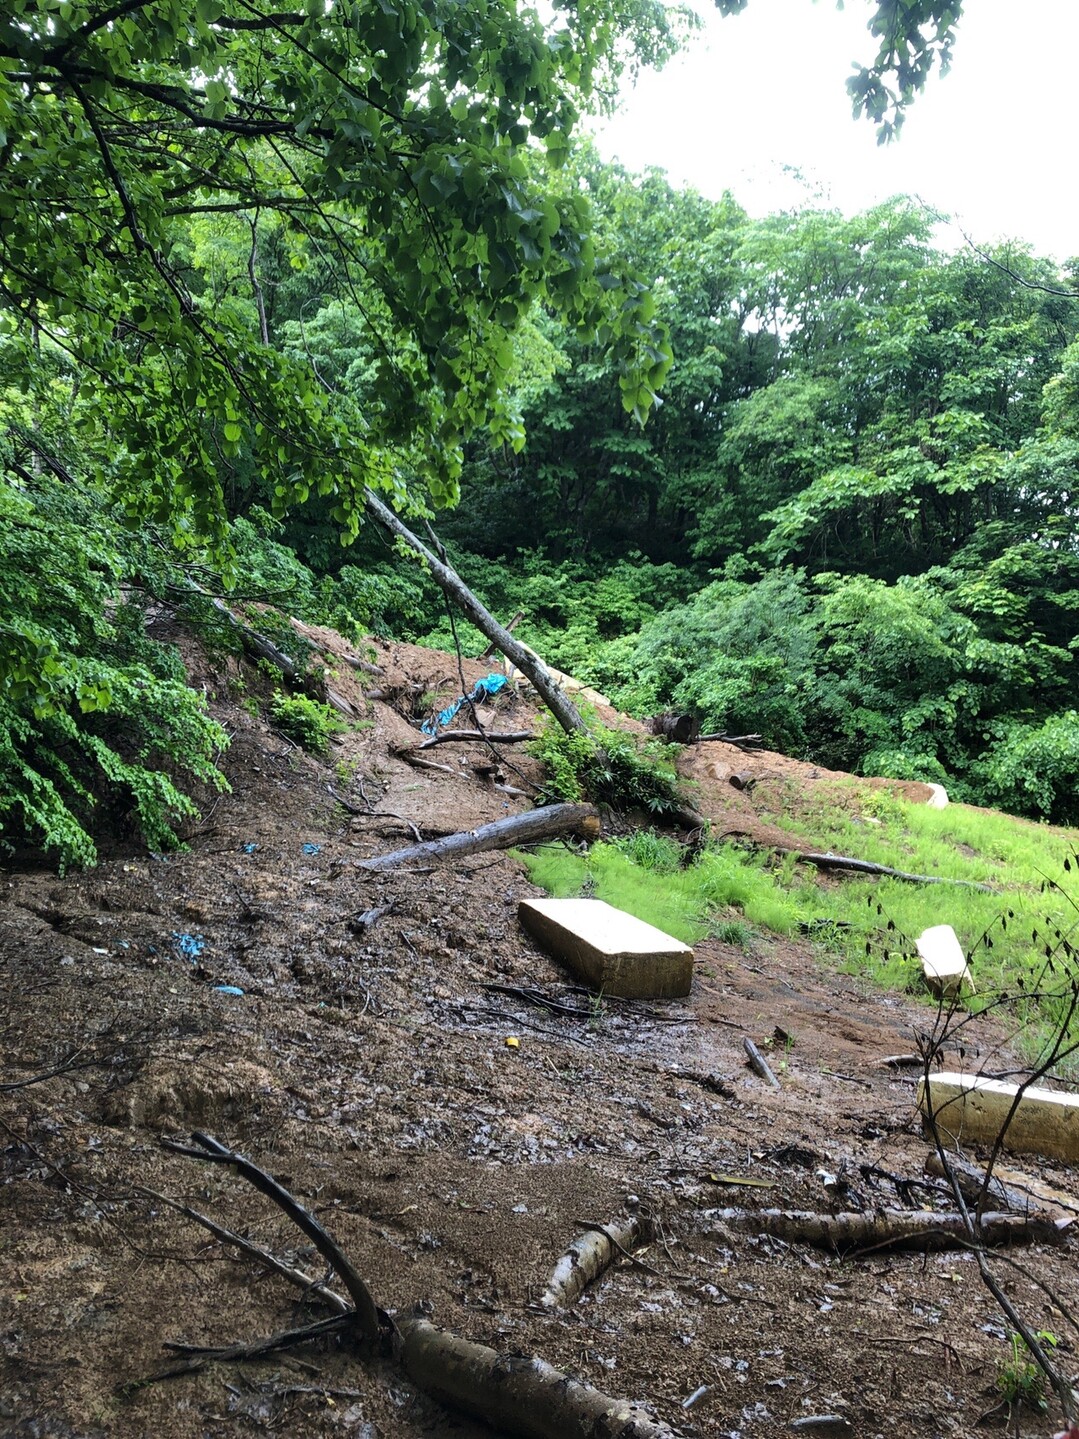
(679, 729)
(586, 1259)
(527, 828)
(451, 584)
(920, 1229)
(759, 1064)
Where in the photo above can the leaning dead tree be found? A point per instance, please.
(516, 1394)
(451, 584)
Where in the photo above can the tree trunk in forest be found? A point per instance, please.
(451, 584)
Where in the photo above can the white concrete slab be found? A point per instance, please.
(612, 950)
(943, 962)
(970, 1109)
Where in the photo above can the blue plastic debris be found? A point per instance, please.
(311, 848)
(250, 848)
(489, 685)
(191, 945)
(227, 989)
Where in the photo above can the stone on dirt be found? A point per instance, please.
(970, 1109)
(943, 961)
(610, 949)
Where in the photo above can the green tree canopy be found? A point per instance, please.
(390, 142)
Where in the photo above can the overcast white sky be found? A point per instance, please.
(994, 143)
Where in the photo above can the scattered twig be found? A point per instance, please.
(471, 736)
(255, 1251)
(210, 1150)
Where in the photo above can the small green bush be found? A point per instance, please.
(306, 721)
(609, 767)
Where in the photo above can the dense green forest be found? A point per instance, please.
(810, 475)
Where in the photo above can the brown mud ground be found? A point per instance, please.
(370, 1072)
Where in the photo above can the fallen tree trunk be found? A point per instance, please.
(866, 866)
(451, 584)
(587, 1257)
(261, 648)
(1003, 1193)
(920, 1229)
(527, 828)
(517, 1394)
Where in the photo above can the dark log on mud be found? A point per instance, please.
(527, 828)
(679, 729)
(971, 1179)
(588, 1256)
(513, 1393)
(364, 666)
(866, 866)
(920, 1229)
(475, 736)
(451, 584)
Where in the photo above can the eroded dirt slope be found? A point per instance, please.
(367, 1067)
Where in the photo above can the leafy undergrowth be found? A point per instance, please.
(1018, 938)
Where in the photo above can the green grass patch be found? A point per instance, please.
(868, 926)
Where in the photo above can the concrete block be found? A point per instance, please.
(943, 961)
(970, 1109)
(610, 949)
(939, 797)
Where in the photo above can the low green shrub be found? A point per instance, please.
(607, 766)
(306, 721)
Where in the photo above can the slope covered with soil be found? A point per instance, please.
(366, 1065)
